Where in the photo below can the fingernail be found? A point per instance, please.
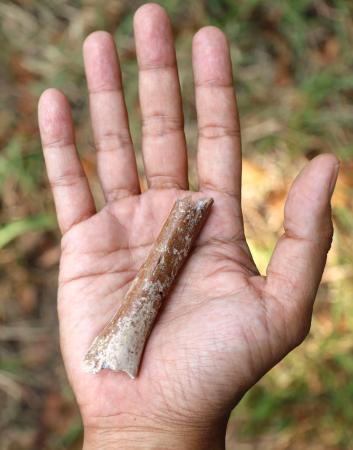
(334, 178)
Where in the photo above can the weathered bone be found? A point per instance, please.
(119, 346)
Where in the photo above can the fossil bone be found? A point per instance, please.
(119, 346)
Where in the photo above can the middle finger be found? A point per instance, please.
(163, 139)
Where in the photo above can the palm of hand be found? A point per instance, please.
(223, 325)
(204, 334)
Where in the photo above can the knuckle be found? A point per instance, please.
(66, 180)
(113, 141)
(161, 124)
(216, 131)
(157, 181)
(59, 142)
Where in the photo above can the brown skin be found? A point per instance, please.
(224, 325)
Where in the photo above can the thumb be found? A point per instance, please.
(298, 261)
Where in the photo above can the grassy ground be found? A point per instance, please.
(293, 68)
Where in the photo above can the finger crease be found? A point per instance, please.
(159, 124)
(84, 216)
(60, 144)
(67, 180)
(214, 131)
(119, 193)
(103, 90)
(214, 83)
(157, 67)
(206, 185)
(166, 181)
(113, 141)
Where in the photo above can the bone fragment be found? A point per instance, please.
(119, 346)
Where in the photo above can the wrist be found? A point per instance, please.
(155, 437)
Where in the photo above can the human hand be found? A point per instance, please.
(223, 325)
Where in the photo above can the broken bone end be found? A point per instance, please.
(92, 367)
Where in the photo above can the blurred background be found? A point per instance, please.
(293, 65)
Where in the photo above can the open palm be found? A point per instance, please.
(224, 325)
